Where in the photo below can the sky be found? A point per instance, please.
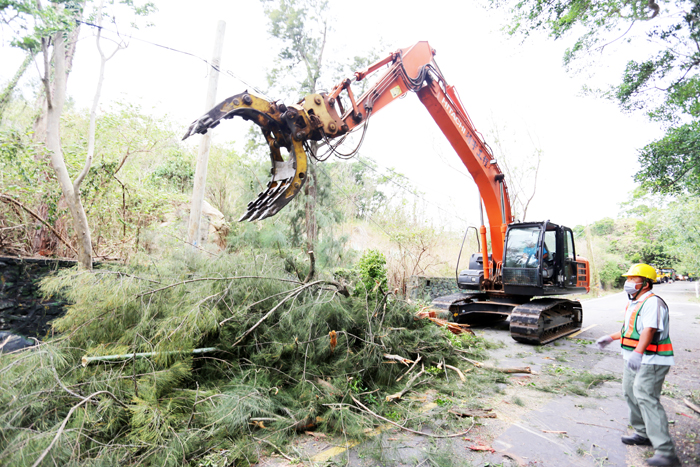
(588, 147)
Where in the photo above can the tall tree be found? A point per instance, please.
(301, 68)
(665, 84)
(302, 28)
(55, 34)
(34, 28)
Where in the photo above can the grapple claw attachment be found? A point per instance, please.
(283, 127)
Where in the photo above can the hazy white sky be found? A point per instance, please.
(588, 146)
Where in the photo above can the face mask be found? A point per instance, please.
(630, 288)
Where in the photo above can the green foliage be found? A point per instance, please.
(274, 363)
(28, 22)
(18, 165)
(682, 234)
(177, 170)
(138, 177)
(658, 231)
(672, 164)
(371, 269)
(569, 380)
(301, 26)
(603, 227)
(611, 273)
(665, 84)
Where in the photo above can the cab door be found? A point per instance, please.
(570, 269)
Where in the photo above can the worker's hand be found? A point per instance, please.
(603, 342)
(635, 361)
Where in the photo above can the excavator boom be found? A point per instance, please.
(527, 260)
(324, 117)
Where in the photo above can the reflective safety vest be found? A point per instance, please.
(630, 337)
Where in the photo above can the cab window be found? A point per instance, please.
(550, 245)
(521, 249)
(569, 245)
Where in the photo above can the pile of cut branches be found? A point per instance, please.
(280, 357)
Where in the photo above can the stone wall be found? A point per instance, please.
(22, 310)
(427, 288)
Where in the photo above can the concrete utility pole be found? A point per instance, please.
(200, 174)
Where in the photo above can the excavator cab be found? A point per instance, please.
(540, 259)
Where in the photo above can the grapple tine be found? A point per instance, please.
(287, 180)
(282, 126)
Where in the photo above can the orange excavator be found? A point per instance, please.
(530, 264)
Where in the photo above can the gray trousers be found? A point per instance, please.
(642, 391)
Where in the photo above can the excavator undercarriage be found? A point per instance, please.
(532, 320)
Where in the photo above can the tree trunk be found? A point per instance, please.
(55, 103)
(43, 240)
(310, 192)
(40, 122)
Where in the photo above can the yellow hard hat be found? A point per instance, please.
(642, 270)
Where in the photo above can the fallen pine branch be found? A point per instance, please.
(85, 360)
(292, 294)
(526, 369)
(398, 358)
(453, 327)
(10, 199)
(400, 394)
(600, 426)
(482, 448)
(410, 369)
(276, 448)
(365, 409)
(188, 281)
(65, 422)
(481, 413)
(459, 372)
(691, 405)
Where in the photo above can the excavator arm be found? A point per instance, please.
(329, 117)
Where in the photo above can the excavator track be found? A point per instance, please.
(544, 320)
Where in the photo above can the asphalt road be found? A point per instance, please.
(539, 428)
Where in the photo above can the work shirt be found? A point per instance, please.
(654, 314)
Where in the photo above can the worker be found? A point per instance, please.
(530, 258)
(648, 355)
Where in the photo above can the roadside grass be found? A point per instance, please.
(670, 390)
(440, 454)
(567, 380)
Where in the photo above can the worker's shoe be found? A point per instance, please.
(636, 440)
(664, 461)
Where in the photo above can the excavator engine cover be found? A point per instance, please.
(473, 278)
